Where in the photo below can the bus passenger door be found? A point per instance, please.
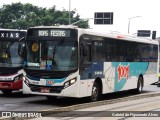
(85, 68)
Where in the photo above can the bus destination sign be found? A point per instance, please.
(51, 32)
(9, 34)
(54, 33)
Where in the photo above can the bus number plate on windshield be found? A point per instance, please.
(45, 90)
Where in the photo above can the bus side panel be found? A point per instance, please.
(122, 76)
(151, 74)
(109, 73)
(85, 87)
(88, 76)
(119, 76)
(127, 74)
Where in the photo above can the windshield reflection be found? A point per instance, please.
(9, 55)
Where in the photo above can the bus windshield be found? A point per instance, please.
(57, 55)
(8, 54)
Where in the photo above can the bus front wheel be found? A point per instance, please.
(96, 93)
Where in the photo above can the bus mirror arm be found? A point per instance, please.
(21, 39)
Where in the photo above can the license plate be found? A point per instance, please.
(45, 90)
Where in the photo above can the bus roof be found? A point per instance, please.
(107, 34)
(116, 35)
(1, 29)
(61, 26)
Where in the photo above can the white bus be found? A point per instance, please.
(74, 62)
(11, 63)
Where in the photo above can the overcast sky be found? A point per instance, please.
(122, 9)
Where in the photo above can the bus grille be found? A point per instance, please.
(52, 89)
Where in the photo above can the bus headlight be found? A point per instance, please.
(69, 83)
(16, 78)
(19, 77)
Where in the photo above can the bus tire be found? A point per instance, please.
(51, 98)
(96, 93)
(139, 88)
(6, 92)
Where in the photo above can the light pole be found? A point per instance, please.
(129, 19)
(69, 12)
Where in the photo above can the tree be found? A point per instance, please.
(23, 16)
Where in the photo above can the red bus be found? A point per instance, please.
(10, 62)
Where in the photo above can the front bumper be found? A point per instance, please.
(15, 85)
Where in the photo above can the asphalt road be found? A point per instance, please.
(21, 102)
